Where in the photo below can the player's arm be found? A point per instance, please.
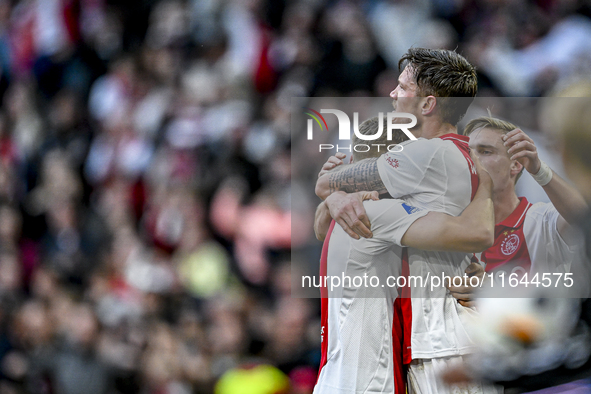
(404, 172)
(365, 175)
(472, 231)
(395, 174)
(351, 178)
(346, 208)
(337, 204)
(321, 221)
(567, 200)
(322, 217)
(569, 203)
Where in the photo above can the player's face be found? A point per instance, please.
(407, 88)
(487, 144)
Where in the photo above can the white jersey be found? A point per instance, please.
(549, 252)
(438, 175)
(528, 241)
(357, 318)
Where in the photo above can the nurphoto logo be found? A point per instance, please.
(393, 123)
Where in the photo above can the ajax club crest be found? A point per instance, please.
(510, 244)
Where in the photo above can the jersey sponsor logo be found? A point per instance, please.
(410, 209)
(510, 244)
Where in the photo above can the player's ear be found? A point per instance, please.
(428, 105)
(516, 168)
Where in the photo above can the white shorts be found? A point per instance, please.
(424, 378)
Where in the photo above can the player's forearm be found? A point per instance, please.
(360, 176)
(567, 200)
(442, 232)
(478, 219)
(322, 221)
(322, 190)
(471, 232)
(460, 237)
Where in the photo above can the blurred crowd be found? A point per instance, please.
(145, 196)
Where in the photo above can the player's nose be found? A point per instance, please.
(394, 93)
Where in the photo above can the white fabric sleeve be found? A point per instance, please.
(390, 219)
(548, 250)
(403, 172)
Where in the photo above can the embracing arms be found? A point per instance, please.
(472, 231)
(350, 178)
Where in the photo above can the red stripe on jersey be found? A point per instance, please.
(461, 141)
(509, 245)
(401, 330)
(324, 301)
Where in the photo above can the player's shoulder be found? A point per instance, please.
(540, 209)
(539, 216)
(420, 147)
(424, 142)
(448, 144)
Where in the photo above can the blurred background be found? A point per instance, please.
(145, 195)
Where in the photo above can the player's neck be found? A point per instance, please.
(504, 202)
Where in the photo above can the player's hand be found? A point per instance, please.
(331, 163)
(483, 175)
(465, 292)
(522, 149)
(348, 211)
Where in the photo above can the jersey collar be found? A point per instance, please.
(454, 136)
(516, 217)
